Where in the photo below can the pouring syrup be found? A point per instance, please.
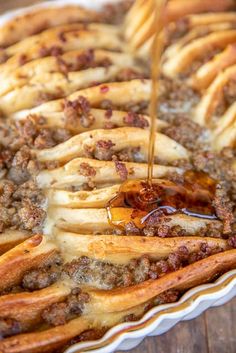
(137, 200)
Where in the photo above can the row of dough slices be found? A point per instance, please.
(66, 38)
(224, 127)
(121, 94)
(41, 19)
(85, 210)
(36, 71)
(24, 86)
(212, 77)
(45, 76)
(205, 33)
(72, 155)
(140, 21)
(111, 305)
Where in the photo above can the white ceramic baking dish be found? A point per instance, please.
(161, 318)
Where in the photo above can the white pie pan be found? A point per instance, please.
(159, 319)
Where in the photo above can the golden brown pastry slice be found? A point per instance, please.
(36, 21)
(82, 170)
(58, 41)
(140, 20)
(93, 143)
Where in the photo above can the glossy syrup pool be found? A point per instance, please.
(136, 200)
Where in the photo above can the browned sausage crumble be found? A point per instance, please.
(108, 275)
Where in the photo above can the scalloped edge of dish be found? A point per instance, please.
(160, 319)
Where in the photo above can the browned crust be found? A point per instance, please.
(9, 239)
(119, 300)
(197, 273)
(24, 256)
(45, 341)
(205, 75)
(26, 307)
(121, 249)
(36, 21)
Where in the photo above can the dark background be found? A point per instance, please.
(212, 332)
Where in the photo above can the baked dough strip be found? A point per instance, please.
(86, 143)
(37, 68)
(98, 120)
(82, 38)
(27, 306)
(38, 20)
(89, 219)
(115, 303)
(104, 173)
(194, 49)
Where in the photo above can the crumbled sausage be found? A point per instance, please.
(34, 133)
(226, 99)
(44, 140)
(44, 276)
(224, 209)
(107, 275)
(232, 241)
(18, 195)
(88, 335)
(87, 60)
(9, 327)
(78, 111)
(13, 200)
(131, 229)
(108, 113)
(31, 216)
(50, 51)
(169, 296)
(56, 314)
(86, 170)
(114, 13)
(103, 150)
(186, 132)
(22, 59)
(59, 313)
(43, 97)
(39, 278)
(219, 166)
(133, 119)
(62, 37)
(176, 99)
(121, 170)
(128, 74)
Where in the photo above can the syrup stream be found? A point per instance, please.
(156, 55)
